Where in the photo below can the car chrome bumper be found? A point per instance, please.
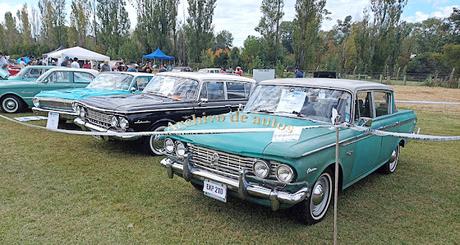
(91, 127)
(241, 186)
(62, 114)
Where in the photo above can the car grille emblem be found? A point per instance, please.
(215, 158)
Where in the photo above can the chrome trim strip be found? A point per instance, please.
(133, 112)
(55, 100)
(40, 110)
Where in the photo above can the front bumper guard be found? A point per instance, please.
(242, 186)
(88, 126)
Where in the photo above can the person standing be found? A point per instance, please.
(75, 63)
(65, 63)
(105, 67)
(298, 73)
(239, 71)
(3, 62)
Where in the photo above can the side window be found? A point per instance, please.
(141, 82)
(382, 103)
(363, 105)
(186, 90)
(83, 77)
(238, 90)
(34, 73)
(60, 77)
(215, 91)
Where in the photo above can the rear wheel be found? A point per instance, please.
(313, 209)
(12, 104)
(390, 166)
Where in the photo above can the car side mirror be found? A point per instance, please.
(365, 122)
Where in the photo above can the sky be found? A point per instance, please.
(240, 17)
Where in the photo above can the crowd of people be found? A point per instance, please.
(148, 67)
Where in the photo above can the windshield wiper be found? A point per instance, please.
(264, 111)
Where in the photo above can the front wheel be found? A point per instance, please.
(313, 209)
(154, 144)
(12, 104)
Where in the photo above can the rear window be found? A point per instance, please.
(238, 90)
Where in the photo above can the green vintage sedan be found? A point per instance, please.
(15, 96)
(292, 167)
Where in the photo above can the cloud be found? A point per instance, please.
(440, 12)
(8, 7)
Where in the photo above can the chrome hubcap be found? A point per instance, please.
(394, 160)
(157, 143)
(321, 196)
(10, 105)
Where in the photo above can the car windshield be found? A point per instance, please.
(304, 102)
(176, 88)
(111, 81)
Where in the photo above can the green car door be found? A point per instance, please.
(367, 146)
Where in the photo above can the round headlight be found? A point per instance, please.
(181, 150)
(124, 123)
(82, 112)
(284, 173)
(36, 102)
(114, 121)
(261, 169)
(78, 109)
(169, 145)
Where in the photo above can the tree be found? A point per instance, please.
(309, 14)
(253, 53)
(223, 40)
(25, 28)
(286, 34)
(113, 26)
(199, 29)
(11, 33)
(156, 26)
(53, 27)
(80, 22)
(269, 27)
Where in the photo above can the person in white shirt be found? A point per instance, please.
(3, 62)
(75, 63)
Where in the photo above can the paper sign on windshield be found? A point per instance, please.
(287, 135)
(291, 101)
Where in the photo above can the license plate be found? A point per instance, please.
(53, 120)
(215, 190)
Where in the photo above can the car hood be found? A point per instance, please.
(258, 144)
(79, 93)
(131, 103)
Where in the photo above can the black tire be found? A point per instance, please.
(151, 146)
(392, 164)
(12, 104)
(312, 210)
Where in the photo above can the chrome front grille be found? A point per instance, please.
(228, 165)
(98, 118)
(56, 105)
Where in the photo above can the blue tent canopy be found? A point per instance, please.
(158, 55)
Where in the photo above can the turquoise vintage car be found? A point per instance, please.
(30, 73)
(16, 96)
(105, 84)
(292, 167)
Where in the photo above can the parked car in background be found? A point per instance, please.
(16, 96)
(105, 84)
(210, 70)
(30, 73)
(181, 69)
(169, 97)
(281, 173)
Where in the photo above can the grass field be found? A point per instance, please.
(58, 189)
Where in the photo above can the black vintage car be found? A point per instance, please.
(168, 98)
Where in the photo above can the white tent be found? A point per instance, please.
(78, 52)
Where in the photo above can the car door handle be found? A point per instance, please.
(349, 153)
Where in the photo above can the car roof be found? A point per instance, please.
(206, 76)
(57, 68)
(134, 74)
(351, 85)
(39, 66)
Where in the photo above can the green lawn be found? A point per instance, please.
(58, 188)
